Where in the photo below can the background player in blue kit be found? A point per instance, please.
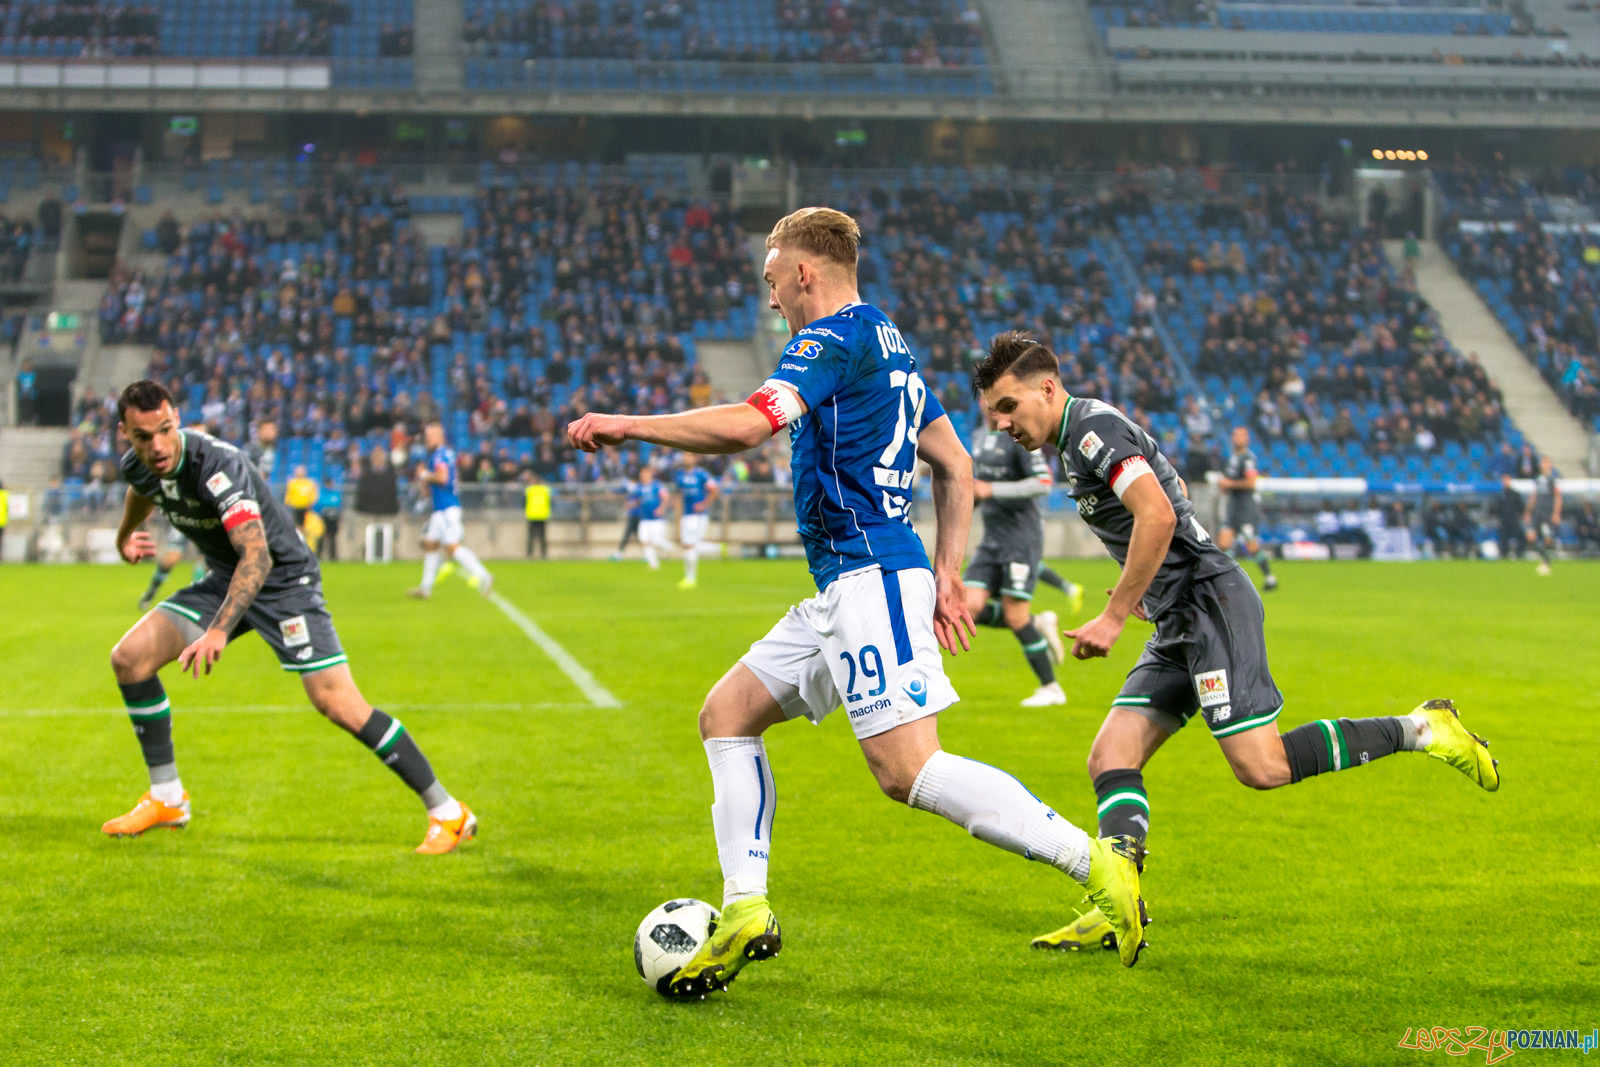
(649, 498)
(444, 528)
(859, 418)
(697, 491)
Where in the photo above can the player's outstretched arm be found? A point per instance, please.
(714, 431)
(133, 543)
(249, 540)
(942, 450)
(1153, 524)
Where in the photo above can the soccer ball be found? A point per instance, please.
(669, 936)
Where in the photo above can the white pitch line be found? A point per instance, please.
(598, 695)
(304, 708)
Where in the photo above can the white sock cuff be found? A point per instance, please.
(720, 750)
(929, 785)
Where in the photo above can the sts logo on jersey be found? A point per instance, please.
(804, 347)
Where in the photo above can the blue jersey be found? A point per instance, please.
(854, 451)
(630, 490)
(444, 496)
(692, 484)
(647, 500)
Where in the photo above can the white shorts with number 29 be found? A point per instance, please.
(866, 642)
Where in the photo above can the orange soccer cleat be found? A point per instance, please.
(148, 814)
(446, 835)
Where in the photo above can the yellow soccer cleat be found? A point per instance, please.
(1113, 887)
(686, 583)
(1456, 745)
(1089, 930)
(149, 814)
(1074, 599)
(446, 835)
(747, 932)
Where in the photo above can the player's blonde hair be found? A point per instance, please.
(822, 231)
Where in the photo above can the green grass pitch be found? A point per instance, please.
(291, 923)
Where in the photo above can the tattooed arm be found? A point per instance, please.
(255, 561)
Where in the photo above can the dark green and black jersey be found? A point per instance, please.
(214, 489)
(1241, 465)
(1013, 525)
(1544, 497)
(1103, 452)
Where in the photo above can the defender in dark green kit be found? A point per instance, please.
(261, 577)
(1209, 652)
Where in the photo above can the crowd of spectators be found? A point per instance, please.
(90, 29)
(337, 323)
(307, 36)
(18, 239)
(1334, 344)
(914, 32)
(954, 266)
(297, 37)
(1553, 290)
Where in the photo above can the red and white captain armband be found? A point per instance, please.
(778, 402)
(239, 514)
(1127, 472)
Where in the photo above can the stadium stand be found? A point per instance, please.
(771, 45)
(1297, 327)
(572, 287)
(1298, 16)
(369, 43)
(1280, 317)
(1541, 282)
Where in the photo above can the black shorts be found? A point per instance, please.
(1208, 654)
(1243, 516)
(1011, 572)
(292, 618)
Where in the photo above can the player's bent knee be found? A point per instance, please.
(894, 781)
(1257, 776)
(1016, 612)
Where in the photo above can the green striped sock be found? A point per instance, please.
(1037, 650)
(392, 743)
(151, 715)
(1122, 804)
(1328, 745)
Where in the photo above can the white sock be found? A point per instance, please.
(691, 561)
(743, 801)
(994, 807)
(169, 793)
(450, 809)
(469, 560)
(430, 569)
(1420, 734)
(650, 555)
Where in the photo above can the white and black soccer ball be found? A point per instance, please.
(669, 936)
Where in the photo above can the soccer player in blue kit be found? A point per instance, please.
(859, 417)
(444, 528)
(650, 498)
(697, 491)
